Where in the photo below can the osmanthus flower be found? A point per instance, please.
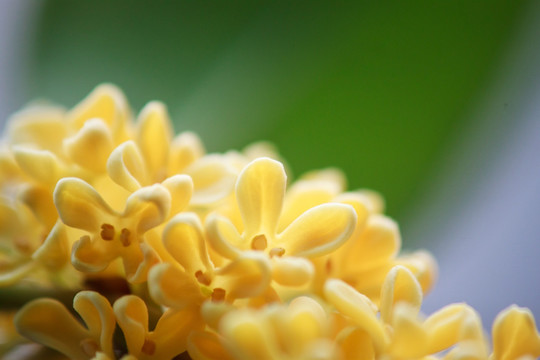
(48, 322)
(169, 337)
(154, 156)
(190, 278)
(113, 234)
(298, 330)
(260, 191)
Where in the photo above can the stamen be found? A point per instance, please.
(125, 237)
(149, 347)
(259, 242)
(277, 251)
(203, 278)
(89, 347)
(107, 232)
(218, 295)
(329, 266)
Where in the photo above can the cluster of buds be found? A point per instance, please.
(165, 251)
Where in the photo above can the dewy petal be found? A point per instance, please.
(319, 230)
(184, 238)
(132, 316)
(173, 287)
(399, 285)
(126, 166)
(213, 179)
(515, 334)
(91, 146)
(358, 307)
(223, 236)
(79, 204)
(259, 191)
(181, 189)
(98, 316)
(150, 206)
(106, 102)
(292, 270)
(42, 165)
(246, 276)
(154, 133)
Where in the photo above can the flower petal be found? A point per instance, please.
(292, 270)
(223, 236)
(409, 339)
(213, 179)
(39, 126)
(91, 146)
(515, 334)
(184, 238)
(93, 255)
(126, 166)
(259, 191)
(42, 165)
(150, 206)
(206, 345)
(172, 287)
(181, 189)
(399, 285)
(98, 316)
(79, 205)
(39, 200)
(154, 133)
(54, 252)
(106, 102)
(172, 331)
(246, 276)
(48, 322)
(132, 316)
(319, 230)
(358, 307)
(138, 261)
(185, 148)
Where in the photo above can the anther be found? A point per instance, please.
(203, 278)
(218, 295)
(125, 237)
(259, 242)
(149, 347)
(89, 347)
(107, 232)
(277, 251)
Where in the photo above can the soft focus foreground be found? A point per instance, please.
(146, 247)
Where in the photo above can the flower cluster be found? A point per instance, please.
(170, 252)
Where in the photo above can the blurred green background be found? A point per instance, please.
(378, 89)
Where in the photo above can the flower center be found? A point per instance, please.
(149, 347)
(203, 278)
(218, 295)
(259, 242)
(108, 233)
(277, 251)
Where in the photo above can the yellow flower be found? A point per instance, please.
(192, 278)
(113, 234)
(48, 322)
(260, 190)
